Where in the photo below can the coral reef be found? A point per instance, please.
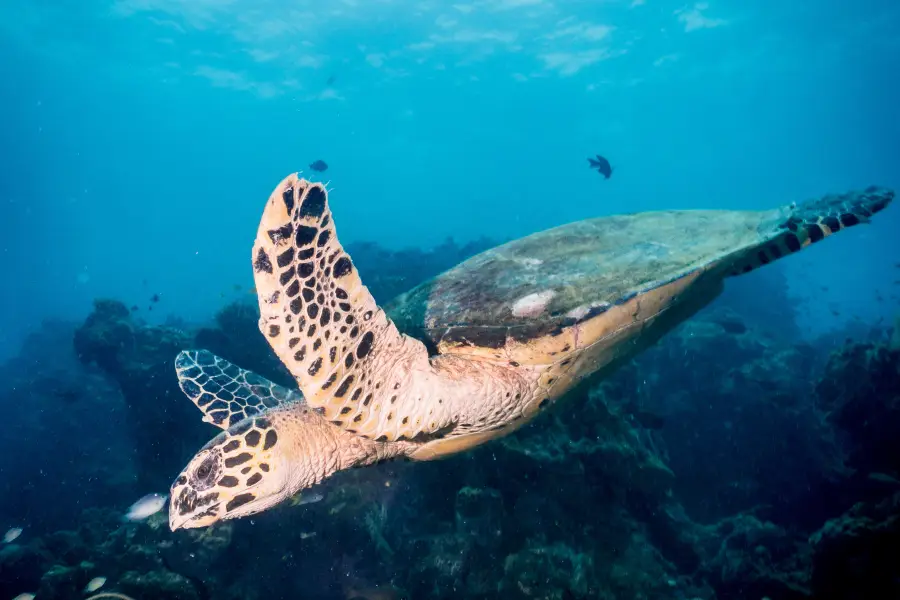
(731, 461)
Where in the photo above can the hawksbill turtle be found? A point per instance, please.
(467, 357)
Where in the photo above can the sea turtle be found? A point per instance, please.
(467, 357)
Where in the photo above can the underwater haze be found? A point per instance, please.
(164, 124)
(752, 453)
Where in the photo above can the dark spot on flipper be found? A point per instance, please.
(305, 270)
(228, 481)
(848, 220)
(815, 233)
(342, 267)
(344, 387)
(763, 257)
(365, 345)
(271, 439)
(832, 223)
(239, 500)
(323, 238)
(314, 203)
(330, 381)
(254, 479)
(314, 368)
(285, 258)
(775, 250)
(264, 467)
(218, 417)
(305, 235)
(231, 446)
(282, 233)
(288, 197)
(191, 389)
(792, 242)
(274, 331)
(262, 262)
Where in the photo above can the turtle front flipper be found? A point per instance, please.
(226, 393)
(794, 228)
(348, 358)
(346, 355)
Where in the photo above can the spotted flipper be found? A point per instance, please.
(348, 358)
(798, 226)
(224, 392)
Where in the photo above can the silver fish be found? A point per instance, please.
(147, 506)
(94, 584)
(12, 534)
(301, 499)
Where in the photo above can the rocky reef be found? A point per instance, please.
(731, 461)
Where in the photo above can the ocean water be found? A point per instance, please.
(142, 138)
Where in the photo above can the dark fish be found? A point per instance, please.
(331, 80)
(602, 165)
(134, 308)
(154, 298)
(319, 166)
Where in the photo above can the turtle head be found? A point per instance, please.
(242, 471)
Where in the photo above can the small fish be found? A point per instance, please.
(12, 534)
(154, 298)
(319, 166)
(134, 308)
(331, 80)
(301, 499)
(24, 597)
(883, 478)
(145, 507)
(305, 535)
(602, 165)
(94, 584)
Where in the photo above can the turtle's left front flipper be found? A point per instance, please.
(225, 392)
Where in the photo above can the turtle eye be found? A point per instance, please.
(206, 472)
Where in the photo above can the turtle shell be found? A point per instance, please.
(501, 300)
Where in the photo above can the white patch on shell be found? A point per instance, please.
(533, 304)
(579, 312)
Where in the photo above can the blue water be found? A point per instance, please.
(140, 137)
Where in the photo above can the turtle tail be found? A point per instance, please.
(813, 221)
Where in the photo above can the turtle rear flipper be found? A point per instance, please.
(795, 228)
(226, 393)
